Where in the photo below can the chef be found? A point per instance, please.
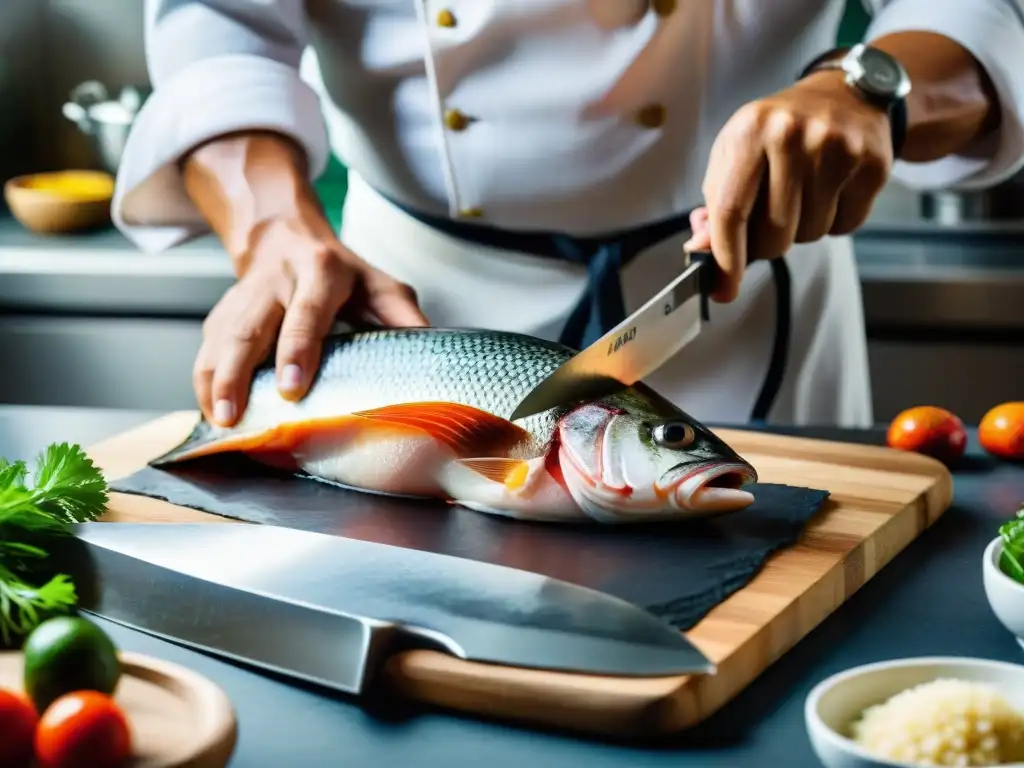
(543, 166)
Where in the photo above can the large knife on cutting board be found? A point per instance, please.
(330, 610)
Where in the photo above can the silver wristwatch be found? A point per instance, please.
(878, 77)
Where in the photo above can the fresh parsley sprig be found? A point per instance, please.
(65, 487)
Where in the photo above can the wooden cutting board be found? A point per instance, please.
(881, 501)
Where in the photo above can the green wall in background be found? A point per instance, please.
(854, 23)
(332, 186)
(333, 182)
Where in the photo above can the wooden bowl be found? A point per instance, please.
(177, 718)
(61, 202)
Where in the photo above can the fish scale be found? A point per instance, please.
(360, 372)
(485, 369)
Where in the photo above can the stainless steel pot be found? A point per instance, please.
(1003, 202)
(105, 121)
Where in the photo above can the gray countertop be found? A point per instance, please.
(929, 600)
(912, 275)
(103, 273)
(937, 279)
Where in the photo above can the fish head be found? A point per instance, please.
(623, 463)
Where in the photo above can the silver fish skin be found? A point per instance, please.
(424, 412)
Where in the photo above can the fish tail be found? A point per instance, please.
(203, 441)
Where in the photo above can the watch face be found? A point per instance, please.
(882, 74)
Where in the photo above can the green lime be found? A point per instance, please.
(68, 654)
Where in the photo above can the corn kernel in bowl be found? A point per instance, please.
(944, 722)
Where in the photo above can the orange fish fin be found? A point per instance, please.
(467, 431)
(463, 428)
(288, 436)
(512, 473)
(278, 440)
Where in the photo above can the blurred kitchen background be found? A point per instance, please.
(86, 320)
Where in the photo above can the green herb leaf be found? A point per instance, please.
(69, 484)
(12, 475)
(19, 548)
(23, 607)
(19, 510)
(66, 488)
(1011, 567)
(1011, 562)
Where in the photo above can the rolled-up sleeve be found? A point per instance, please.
(216, 66)
(993, 31)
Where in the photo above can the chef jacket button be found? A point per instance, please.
(663, 7)
(471, 213)
(651, 116)
(455, 120)
(445, 18)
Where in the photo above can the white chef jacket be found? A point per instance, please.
(580, 116)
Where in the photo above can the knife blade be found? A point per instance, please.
(330, 610)
(633, 349)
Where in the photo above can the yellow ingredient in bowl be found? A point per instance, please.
(80, 187)
(944, 722)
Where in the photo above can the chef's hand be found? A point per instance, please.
(292, 285)
(791, 168)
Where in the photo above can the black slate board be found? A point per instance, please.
(678, 571)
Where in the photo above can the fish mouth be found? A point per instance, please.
(613, 477)
(702, 488)
(709, 487)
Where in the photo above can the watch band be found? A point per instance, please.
(828, 60)
(896, 108)
(898, 125)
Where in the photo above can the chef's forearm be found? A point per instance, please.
(952, 102)
(243, 182)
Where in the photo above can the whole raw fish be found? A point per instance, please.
(423, 412)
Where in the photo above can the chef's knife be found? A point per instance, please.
(329, 610)
(635, 348)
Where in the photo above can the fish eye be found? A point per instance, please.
(673, 434)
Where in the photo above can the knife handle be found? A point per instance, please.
(707, 278)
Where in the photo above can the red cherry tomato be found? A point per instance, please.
(1001, 431)
(929, 430)
(84, 729)
(17, 728)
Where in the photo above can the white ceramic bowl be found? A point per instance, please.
(1005, 595)
(836, 702)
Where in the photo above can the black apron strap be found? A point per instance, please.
(780, 346)
(602, 305)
